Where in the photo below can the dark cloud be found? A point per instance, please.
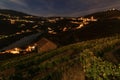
(59, 7)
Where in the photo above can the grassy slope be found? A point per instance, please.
(74, 62)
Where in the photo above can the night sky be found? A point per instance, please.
(59, 7)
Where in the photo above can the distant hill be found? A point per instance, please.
(12, 12)
(11, 21)
(105, 14)
(94, 30)
(108, 24)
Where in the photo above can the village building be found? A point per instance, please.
(30, 44)
(44, 45)
(12, 21)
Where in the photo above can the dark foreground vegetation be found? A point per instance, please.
(89, 60)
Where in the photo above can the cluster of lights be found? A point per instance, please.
(19, 50)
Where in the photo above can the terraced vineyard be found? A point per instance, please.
(86, 60)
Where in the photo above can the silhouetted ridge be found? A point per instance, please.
(106, 14)
(12, 12)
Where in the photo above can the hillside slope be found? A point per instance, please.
(94, 30)
(81, 61)
(107, 24)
